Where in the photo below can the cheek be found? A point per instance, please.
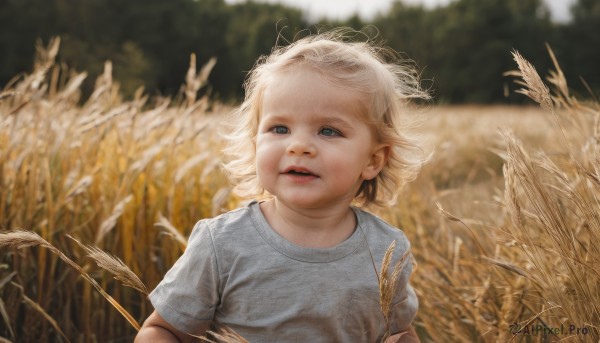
(266, 157)
(349, 166)
(348, 157)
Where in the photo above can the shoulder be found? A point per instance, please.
(379, 227)
(225, 224)
(228, 233)
(380, 234)
(220, 229)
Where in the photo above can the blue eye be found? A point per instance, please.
(327, 131)
(280, 130)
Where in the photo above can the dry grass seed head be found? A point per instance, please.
(194, 82)
(535, 88)
(113, 265)
(5, 95)
(446, 214)
(388, 283)
(557, 78)
(511, 199)
(222, 334)
(22, 239)
(111, 221)
(171, 231)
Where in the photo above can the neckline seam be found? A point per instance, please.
(288, 249)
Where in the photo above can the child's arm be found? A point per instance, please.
(408, 336)
(157, 330)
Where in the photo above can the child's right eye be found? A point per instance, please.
(280, 130)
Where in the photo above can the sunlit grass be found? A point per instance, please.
(111, 188)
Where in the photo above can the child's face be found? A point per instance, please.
(313, 149)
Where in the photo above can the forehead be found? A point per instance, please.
(308, 91)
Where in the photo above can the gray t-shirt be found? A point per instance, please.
(240, 273)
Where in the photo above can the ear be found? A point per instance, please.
(377, 161)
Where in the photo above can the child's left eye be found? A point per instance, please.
(280, 130)
(327, 131)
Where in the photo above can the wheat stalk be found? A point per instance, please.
(111, 221)
(388, 283)
(194, 82)
(454, 218)
(171, 231)
(40, 310)
(21, 239)
(535, 88)
(3, 312)
(113, 265)
(222, 334)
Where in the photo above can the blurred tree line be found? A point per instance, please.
(464, 47)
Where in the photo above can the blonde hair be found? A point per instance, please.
(366, 67)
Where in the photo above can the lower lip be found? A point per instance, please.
(300, 178)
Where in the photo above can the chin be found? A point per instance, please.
(299, 202)
(309, 203)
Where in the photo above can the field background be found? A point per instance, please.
(112, 187)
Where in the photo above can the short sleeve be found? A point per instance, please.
(406, 303)
(188, 294)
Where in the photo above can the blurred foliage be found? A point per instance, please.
(463, 48)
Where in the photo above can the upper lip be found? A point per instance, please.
(298, 169)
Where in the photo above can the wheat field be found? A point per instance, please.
(97, 198)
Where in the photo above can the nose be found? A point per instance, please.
(301, 144)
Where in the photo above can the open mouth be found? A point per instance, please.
(299, 171)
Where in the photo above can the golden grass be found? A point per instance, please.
(104, 171)
(388, 283)
(503, 222)
(223, 335)
(21, 239)
(534, 265)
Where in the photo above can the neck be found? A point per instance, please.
(311, 228)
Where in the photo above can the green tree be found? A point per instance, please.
(169, 31)
(465, 46)
(156, 36)
(253, 31)
(20, 22)
(409, 29)
(581, 47)
(473, 44)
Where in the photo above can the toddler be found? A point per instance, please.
(318, 138)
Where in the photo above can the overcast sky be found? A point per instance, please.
(342, 9)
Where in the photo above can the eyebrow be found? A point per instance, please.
(336, 121)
